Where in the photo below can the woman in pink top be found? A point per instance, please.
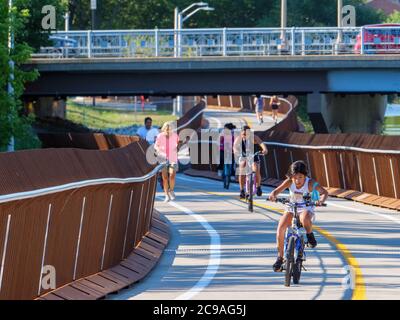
(167, 146)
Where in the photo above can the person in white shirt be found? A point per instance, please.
(148, 132)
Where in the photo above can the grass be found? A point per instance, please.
(392, 126)
(98, 118)
(302, 114)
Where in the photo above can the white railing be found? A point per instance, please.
(77, 185)
(224, 42)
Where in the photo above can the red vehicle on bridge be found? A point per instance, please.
(379, 39)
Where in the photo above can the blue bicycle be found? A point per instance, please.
(294, 241)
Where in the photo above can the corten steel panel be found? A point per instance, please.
(271, 164)
(350, 168)
(299, 154)
(334, 169)
(317, 167)
(22, 265)
(93, 230)
(145, 209)
(283, 160)
(211, 101)
(140, 214)
(132, 237)
(225, 101)
(149, 204)
(236, 100)
(247, 103)
(64, 231)
(384, 173)
(367, 173)
(117, 225)
(396, 173)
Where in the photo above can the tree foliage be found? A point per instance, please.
(394, 17)
(12, 122)
(148, 14)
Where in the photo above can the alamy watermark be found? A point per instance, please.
(48, 278)
(49, 21)
(348, 16)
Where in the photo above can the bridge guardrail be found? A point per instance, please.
(76, 211)
(363, 164)
(227, 42)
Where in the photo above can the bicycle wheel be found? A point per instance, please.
(289, 261)
(299, 264)
(251, 182)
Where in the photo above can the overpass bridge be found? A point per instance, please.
(205, 61)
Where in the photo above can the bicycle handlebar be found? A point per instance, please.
(307, 202)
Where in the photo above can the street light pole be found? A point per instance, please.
(10, 88)
(93, 7)
(339, 13)
(178, 22)
(283, 22)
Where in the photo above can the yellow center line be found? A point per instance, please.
(359, 291)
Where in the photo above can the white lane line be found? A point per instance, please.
(365, 211)
(215, 256)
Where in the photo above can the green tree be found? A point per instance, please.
(394, 17)
(319, 13)
(12, 121)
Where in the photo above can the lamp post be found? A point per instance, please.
(10, 88)
(179, 18)
(93, 7)
(283, 22)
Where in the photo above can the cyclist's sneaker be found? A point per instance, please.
(242, 194)
(167, 198)
(172, 195)
(312, 243)
(278, 265)
(259, 192)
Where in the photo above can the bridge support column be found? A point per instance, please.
(50, 107)
(336, 113)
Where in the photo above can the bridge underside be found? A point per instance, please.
(234, 76)
(212, 83)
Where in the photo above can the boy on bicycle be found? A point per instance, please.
(244, 145)
(298, 184)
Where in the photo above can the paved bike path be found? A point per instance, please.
(238, 264)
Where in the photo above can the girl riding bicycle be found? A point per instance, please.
(298, 184)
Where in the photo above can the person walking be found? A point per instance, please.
(274, 104)
(259, 107)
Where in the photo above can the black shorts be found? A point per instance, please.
(275, 107)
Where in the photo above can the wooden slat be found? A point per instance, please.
(130, 275)
(51, 296)
(107, 283)
(70, 293)
(154, 250)
(154, 243)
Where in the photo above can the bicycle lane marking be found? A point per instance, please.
(359, 290)
(215, 254)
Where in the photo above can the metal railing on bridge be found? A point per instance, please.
(223, 42)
